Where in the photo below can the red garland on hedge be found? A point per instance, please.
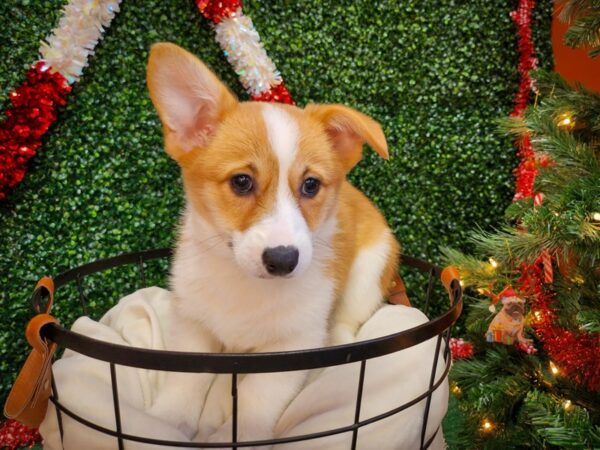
(33, 109)
(15, 435)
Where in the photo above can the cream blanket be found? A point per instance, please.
(144, 318)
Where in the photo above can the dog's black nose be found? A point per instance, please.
(280, 260)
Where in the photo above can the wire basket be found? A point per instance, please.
(237, 363)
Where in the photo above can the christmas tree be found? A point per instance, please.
(533, 318)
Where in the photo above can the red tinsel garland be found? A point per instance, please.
(575, 353)
(526, 171)
(15, 435)
(33, 109)
(217, 10)
(278, 94)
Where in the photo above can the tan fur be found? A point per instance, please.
(360, 224)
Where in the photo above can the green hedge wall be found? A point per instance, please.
(436, 74)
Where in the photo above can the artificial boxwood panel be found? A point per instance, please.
(436, 74)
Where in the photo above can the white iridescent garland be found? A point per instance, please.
(241, 45)
(80, 28)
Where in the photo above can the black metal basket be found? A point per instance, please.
(234, 364)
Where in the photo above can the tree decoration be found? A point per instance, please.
(242, 47)
(507, 326)
(34, 105)
(460, 348)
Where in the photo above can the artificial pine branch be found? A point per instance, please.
(584, 17)
(559, 97)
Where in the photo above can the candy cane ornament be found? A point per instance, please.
(243, 49)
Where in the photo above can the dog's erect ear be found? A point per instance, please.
(348, 130)
(189, 98)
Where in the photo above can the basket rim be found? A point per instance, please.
(313, 358)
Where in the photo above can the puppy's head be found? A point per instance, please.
(266, 177)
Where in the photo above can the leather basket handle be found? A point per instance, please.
(45, 284)
(449, 274)
(27, 401)
(397, 292)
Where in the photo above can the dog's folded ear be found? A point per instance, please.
(189, 98)
(348, 130)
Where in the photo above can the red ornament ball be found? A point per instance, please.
(461, 349)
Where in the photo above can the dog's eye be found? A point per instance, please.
(242, 184)
(310, 187)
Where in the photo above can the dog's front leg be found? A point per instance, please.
(180, 396)
(262, 399)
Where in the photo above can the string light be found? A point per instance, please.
(487, 425)
(538, 315)
(596, 217)
(493, 263)
(462, 283)
(554, 369)
(567, 405)
(566, 121)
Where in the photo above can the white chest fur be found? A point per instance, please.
(248, 313)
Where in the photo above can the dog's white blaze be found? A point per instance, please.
(283, 133)
(284, 224)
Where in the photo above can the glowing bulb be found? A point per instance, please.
(493, 262)
(487, 425)
(462, 283)
(565, 120)
(567, 405)
(481, 291)
(596, 217)
(538, 315)
(554, 369)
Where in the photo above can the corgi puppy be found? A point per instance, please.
(277, 251)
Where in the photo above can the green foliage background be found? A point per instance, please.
(436, 74)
